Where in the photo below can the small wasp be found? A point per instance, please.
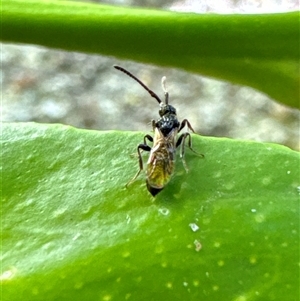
(160, 165)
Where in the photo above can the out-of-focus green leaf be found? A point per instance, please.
(261, 51)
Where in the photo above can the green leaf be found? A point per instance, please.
(72, 231)
(261, 51)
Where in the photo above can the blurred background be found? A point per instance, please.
(85, 91)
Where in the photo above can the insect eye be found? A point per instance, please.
(172, 110)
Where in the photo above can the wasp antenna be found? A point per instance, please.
(163, 84)
(142, 84)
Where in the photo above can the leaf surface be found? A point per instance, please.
(72, 231)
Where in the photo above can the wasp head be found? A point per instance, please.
(166, 109)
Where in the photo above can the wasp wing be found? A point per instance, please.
(161, 163)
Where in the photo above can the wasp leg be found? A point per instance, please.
(145, 142)
(181, 140)
(140, 148)
(149, 138)
(184, 123)
(153, 123)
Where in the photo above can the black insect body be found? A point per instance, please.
(161, 162)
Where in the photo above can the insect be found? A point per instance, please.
(161, 162)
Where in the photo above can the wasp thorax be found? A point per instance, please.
(166, 109)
